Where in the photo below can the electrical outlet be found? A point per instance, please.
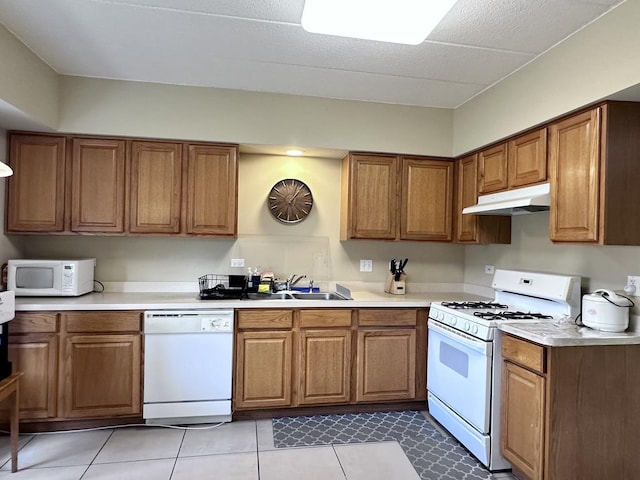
(489, 269)
(366, 265)
(237, 262)
(635, 281)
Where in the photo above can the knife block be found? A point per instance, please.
(395, 287)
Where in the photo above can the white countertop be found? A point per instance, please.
(566, 334)
(189, 300)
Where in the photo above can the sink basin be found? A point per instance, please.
(295, 296)
(317, 296)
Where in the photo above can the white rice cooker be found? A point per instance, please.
(606, 310)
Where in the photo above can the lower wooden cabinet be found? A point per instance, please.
(77, 364)
(302, 357)
(570, 413)
(263, 369)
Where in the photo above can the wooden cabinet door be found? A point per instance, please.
(467, 195)
(263, 369)
(155, 188)
(522, 420)
(386, 365)
(325, 366)
(527, 158)
(492, 169)
(101, 375)
(574, 163)
(36, 355)
(97, 196)
(36, 191)
(369, 203)
(212, 190)
(426, 199)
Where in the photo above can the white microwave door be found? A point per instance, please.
(35, 277)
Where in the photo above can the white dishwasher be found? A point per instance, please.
(188, 359)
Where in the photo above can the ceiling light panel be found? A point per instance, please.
(396, 21)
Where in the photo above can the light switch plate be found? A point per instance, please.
(366, 265)
(237, 262)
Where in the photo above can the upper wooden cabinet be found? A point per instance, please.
(520, 162)
(387, 197)
(594, 171)
(115, 186)
(426, 199)
(36, 190)
(97, 188)
(212, 190)
(476, 228)
(156, 187)
(369, 206)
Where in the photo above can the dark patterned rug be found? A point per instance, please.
(434, 456)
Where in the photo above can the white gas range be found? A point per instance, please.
(464, 365)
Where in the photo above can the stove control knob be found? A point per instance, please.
(453, 320)
(474, 329)
(467, 326)
(438, 315)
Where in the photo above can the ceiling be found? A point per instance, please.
(261, 46)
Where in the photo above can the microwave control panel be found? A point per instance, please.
(67, 277)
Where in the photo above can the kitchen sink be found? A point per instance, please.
(295, 296)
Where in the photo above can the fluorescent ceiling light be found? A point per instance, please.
(396, 21)
(294, 153)
(5, 170)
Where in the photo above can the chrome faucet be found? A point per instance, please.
(292, 280)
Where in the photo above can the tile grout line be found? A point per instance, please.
(175, 460)
(96, 455)
(258, 449)
(335, 452)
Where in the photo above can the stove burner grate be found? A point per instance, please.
(511, 316)
(472, 305)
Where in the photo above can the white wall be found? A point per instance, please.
(598, 61)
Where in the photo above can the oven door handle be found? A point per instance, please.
(461, 337)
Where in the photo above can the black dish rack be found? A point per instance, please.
(222, 287)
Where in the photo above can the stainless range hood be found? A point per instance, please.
(513, 202)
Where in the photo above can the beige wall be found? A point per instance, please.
(531, 249)
(598, 61)
(26, 82)
(8, 245)
(108, 107)
(311, 247)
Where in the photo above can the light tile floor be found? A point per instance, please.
(240, 450)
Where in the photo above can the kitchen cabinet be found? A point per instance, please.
(288, 358)
(426, 200)
(33, 350)
(77, 364)
(263, 352)
(156, 187)
(386, 355)
(212, 190)
(117, 186)
(98, 181)
(388, 197)
(325, 356)
(593, 168)
(569, 413)
(520, 162)
(476, 228)
(101, 366)
(36, 190)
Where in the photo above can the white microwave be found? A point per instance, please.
(50, 278)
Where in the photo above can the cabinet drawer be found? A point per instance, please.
(392, 317)
(89, 322)
(264, 319)
(524, 353)
(34, 323)
(325, 318)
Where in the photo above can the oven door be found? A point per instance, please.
(459, 373)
